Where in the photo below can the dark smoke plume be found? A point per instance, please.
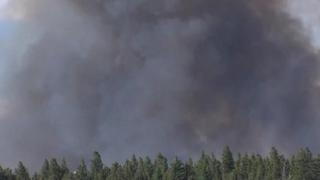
(175, 76)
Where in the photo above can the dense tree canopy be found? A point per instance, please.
(275, 166)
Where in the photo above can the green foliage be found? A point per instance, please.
(177, 170)
(160, 168)
(275, 165)
(96, 167)
(82, 172)
(45, 171)
(116, 172)
(227, 162)
(301, 166)
(22, 172)
(6, 174)
(55, 170)
(304, 166)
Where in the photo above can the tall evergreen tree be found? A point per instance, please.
(189, 168)
(245, 167)
(130, 167)
(6, 174)
(202, 168)
(160, 167)
(177, 170)
(141, 173)
(148, 167)
(227, 161)
(64, 167)
(82, 172)
(45, 170)
(21, 172)
(96, 167)
(275, 166)
(315, 168)
(261, 169)
(35, 177)
(55, 172)
(301, 165)
(116, 172)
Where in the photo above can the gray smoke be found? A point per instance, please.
(140, 77)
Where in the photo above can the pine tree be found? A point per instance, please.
(315, 168)
(214, 167)
(177, 170)
(189, 168)
(160, 167)
(261, 169)
(130, 167)
(301, 165)
(6, 174)
(82, 172)
(275, 166)
(64, 168)
(148, 167)
(96, 167)
(141, 173)
(21, 172)
(116, 172)
(245, 167)
(45, 170)
(35, 177)
(54, 170)
(202, 168)
(227, 161)
(106, 172)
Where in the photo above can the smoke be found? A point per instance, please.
(139, 77)
(309, 17)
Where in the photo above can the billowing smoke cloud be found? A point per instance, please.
(148, 76)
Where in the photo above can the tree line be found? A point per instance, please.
(301, 166)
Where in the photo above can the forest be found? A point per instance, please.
(303, 165)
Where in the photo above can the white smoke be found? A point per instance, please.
(308, 13)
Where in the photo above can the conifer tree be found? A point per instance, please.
(45, 170)
(148, 167)
(6, 174)
(202, 169)
(96, 167)
(130, 167)
(141, 173)
(160, 167)
(245, 167)
(227, 161)
(82, 172)
(261, 169)
(64, 168)
(21, 172)
(54, 170)
(116, 172)
(177, 170)
(189, 168)
(35, 177)
(301, 165)
(275, 167)
(315, 168)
